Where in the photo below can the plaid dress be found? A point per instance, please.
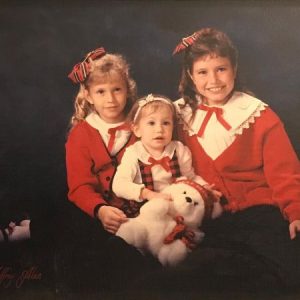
(131, 207)
(147, 174)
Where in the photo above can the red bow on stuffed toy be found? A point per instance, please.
(182, 232)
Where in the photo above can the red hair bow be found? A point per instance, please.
(82, 70)
(185, 43)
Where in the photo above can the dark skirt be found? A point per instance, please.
(250, 249)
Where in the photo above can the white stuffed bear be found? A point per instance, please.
(170, 229)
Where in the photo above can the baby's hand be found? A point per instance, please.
(111, 218)
(217, 194)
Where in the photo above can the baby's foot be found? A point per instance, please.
(16, 232)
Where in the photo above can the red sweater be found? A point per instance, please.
(90, 168)
(259, 167)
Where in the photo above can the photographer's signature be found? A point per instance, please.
(11, 278)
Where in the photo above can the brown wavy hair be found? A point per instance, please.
(209, 41)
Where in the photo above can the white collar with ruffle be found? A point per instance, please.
(239, 112)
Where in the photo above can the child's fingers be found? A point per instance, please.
(119, 213)
(111, 229)
(116, 214)
(292, 233)
(217, 193)
(116, 218)
(294, 228)
(112, 218)
(112, 225)
(209, 186)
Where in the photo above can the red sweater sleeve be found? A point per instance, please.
(83, 184)
(282, 171)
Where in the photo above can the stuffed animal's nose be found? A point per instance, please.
(188, 199)
(195, 203)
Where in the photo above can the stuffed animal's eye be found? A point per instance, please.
(184, 192)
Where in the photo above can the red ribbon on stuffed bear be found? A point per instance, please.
(182, 232)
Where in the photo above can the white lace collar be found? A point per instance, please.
(144, 156)
(239, 112)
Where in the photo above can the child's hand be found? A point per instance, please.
(149, 195)
(111, 218)
(294, 228)
(217, 194)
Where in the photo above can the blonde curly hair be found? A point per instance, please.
(100, 70)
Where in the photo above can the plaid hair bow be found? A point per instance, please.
(81, 70)
(185, 43)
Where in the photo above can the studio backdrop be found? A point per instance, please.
(40, 41)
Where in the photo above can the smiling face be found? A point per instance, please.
(213, 77)
(155, 128)
(108, 96)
